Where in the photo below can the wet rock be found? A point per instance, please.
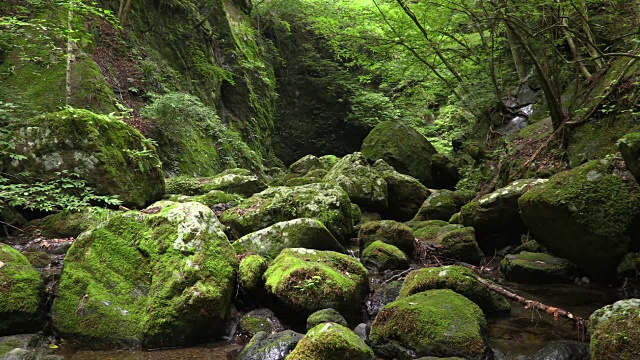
(630, 149)
(562, 350)
(329, 341)
(405, 194)
(297, 233)
(389, 232)
(232, 181)
(453, 241)
(159, 277)
(361, 330)
(382, 296)
(588, 216)
(528, 267)
(366, 217)
(381, 256)
(615, 331)
(10, 219)
(326, 203)
(436, 323)
(443, 204)
(265, 346)
(456, 278)
(304, 281)
(70, 223)
(259, 320)
(629, 267)
(21, 294)
(324, 316)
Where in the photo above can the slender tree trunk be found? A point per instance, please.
(125, 5)
(69, 53)
(517, 55)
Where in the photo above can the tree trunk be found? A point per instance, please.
(517, 55)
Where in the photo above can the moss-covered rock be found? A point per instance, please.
(160, 277)
(304, 281)
(403, 148)
(20, 294)
(328, 161)
(529, 246)
(562, 350)
(265, 346)
(456, 278)
(324, 202)
(250, 274)
(381, 256)
(259, 320)
(313, 176)
(210, 199)
(496, 217)
(405, 193)
(615, 331)
(111, 156)
(297, 233)
(356, 213)
(443, 204)
(325, 316)
(234, 181)
(328, 341)
(528, 267)
(70, 223)
(305, 165)
(363, 184)
(630, 148)
(588, 216)
(629, 266)
(436, 322)
(387, 231)
(445, 173)
(454, 241)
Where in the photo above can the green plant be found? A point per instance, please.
(67, 191)
(309, 285)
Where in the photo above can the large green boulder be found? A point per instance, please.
(324, 202)
(528, 267)
(297, 233)
(111, 156)
(233, 181)
(630, 148)
(331, 341)
(442, 204)
(306, 164)
(381, 256)
(250, 274)
(70, 223)
(456, 278)
(403, 148)
(431, 323)
(210, 199)
(453, 241)
(615, 331)
(304, 281)
(325, 316)
(588, 216)
(496, 216)
(387, 231)
(21, 293)
(160, 277)
(405, 193)
(365, 186)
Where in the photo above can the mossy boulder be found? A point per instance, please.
(403, 148)
(305, 165)
(313, 176)
(328, 161)
(630, 148)
(615, 331)
(356, 213)
(329, 341)
(528, 267)
(363, 184)
(445, 173)
(443, 204)
(456, 278)
(324, 202)
(159, 277)
(387, 231)
(325, 316)
(296, 233)
(250, 274)
(21, 291)
(588, 216)
(111, 156)
(431, 323)
(70, 223)
(405, 193)
(259, 320)
(496, 216)
(562, 350)
(629, 267)
(234, 181)
(210, 199)
(265, 346)
(304, 281)
(381, 256)
(453, 241)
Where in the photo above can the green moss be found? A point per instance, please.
(70, 223)
(405, 193)
(383, 256)
(458, 279)
(145, 277)
(532, 267)
(630, 148)
(614, 331)
(330, 340)
(390, 232)
(356, 213)
(456, 242)
(213, 197)
(252, 268)
(328, 161)
(435, 322)
(310, 280)
(38, 259)
(364, 185)
(234, 181)
(325, 316)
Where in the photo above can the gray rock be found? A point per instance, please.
(270, 347)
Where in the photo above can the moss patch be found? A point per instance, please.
(330, 340)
